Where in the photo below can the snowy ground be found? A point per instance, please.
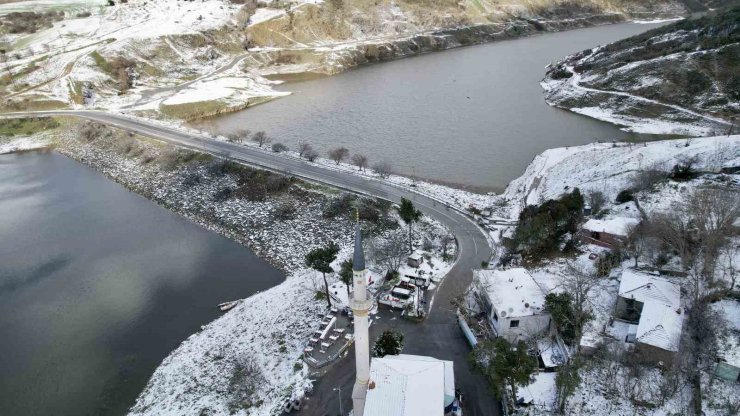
(610, 168)
(19, 144)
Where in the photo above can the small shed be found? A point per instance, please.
(415, 260)
(607, 232)
(728, 354)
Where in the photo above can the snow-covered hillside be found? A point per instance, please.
(186, 59)
(677, 79)
(612, 167)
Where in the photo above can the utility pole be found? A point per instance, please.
(339, 392)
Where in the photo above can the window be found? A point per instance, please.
(596, 235)
(514, 324)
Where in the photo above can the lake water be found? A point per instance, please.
(98, 285)
(471, 116)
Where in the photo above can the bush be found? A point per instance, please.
(625, 196)
(684, 170)
(279, 147)
(340, 206)
(607, 262)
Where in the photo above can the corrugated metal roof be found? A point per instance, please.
(406, 385)
(660, 326)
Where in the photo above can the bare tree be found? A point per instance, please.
(303, 147)
(713, 212)
(360, 161)
(311, 155)
(391, 251)
(383, 169)
(338, 154)
(238, 136)
(261, 138)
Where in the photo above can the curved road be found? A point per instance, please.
(437, 336)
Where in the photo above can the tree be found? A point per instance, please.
(360, 161)
(409, 214)
(504, 364)
(446, 241)
(238, 136)
(303, 147)
(261, 138)
(570, 325)
(566, 382)
(345, 273)
(338, 154)
(311, 155)
(391, 252)
(382, 169)
(320, 259)
(390, 342)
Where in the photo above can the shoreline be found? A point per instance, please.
(375, 51)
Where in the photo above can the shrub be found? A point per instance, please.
(223, 194)
(607, 262)
(279, 147)
(625, 195)
(339, 206)
(684, 170)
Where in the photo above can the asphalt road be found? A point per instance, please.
(437, 336)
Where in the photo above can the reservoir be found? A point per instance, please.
(98, 285)
(471, 117)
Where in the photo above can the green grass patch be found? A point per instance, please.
(33, 105)
(26, 126)
(101, 62)
(192, 111)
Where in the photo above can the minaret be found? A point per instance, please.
(360, 305)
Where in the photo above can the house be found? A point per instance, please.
(658, 333)
(607, 232)
(415, 260)
(410, 385)
(650, 307)
(728, 354)
(637, 288)
(513, 302)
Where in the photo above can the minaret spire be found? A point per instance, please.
(360, 304)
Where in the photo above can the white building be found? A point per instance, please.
(410, 385)
(513, 302)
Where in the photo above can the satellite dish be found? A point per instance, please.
(511, 310)
(526, 305)
(503, 314)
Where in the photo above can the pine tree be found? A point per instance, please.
(409, 214)
(390, 342)
(320, 260)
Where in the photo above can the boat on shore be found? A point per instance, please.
(227, 306)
